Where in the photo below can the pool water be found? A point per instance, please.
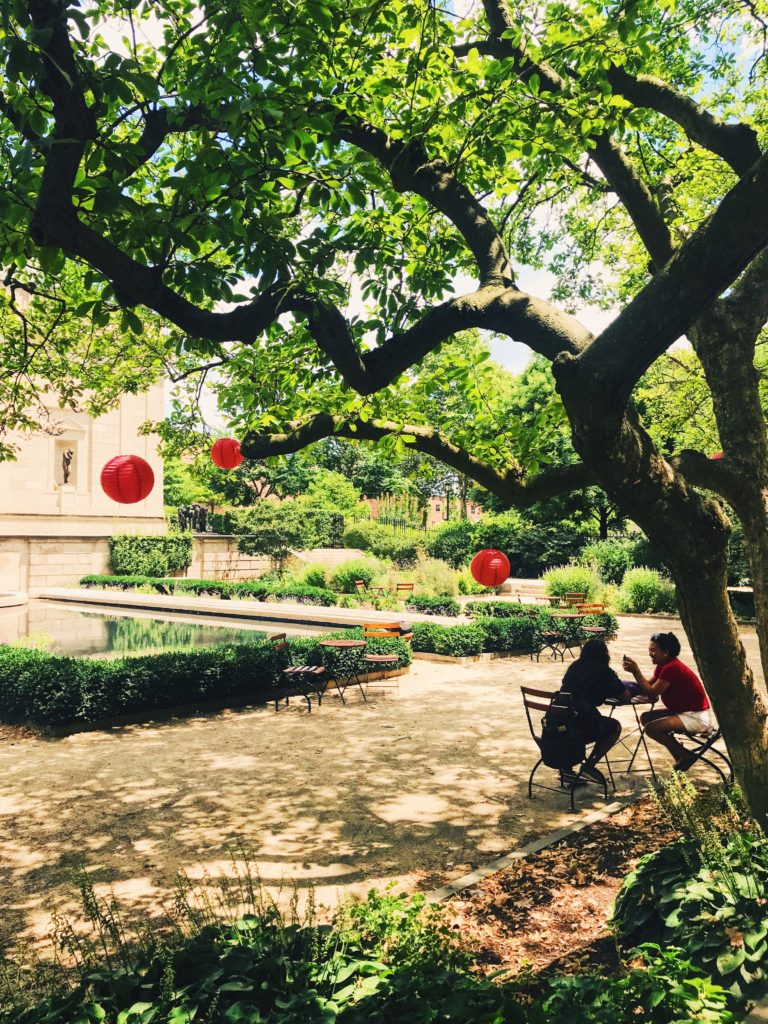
(63, 629)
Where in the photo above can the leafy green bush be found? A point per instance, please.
(610, 558)
(530, 547)
(442, 604)
(275, 530)
(645, 590)
(140, 555)
(607, 620)
(314, 576)
(390, 959)
(432, 578)
(453, 543)
(713, 906)
(497, 609)
(454, 641)
(401, 546)
(344, 575)
(46, 689)
(225, 589)
(571, 579)
(507, 634)
(661, 987)
(469, 585)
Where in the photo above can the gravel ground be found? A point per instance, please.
(419, 785)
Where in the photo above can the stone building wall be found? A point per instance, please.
(53, 488)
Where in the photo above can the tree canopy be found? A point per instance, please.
(286, 197)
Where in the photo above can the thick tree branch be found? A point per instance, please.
(510, 485)
(710, 260)
(609, 157)
(411, 170)
(714, 475)
(75, 124)
(635, 197)
(736, 143)
(748, 298)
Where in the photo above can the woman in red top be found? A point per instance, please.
(685, 701)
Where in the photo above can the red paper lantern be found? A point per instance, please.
(226, 453)
(490, 567)
(127, 479)
(717, 455)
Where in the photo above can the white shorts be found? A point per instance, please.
(696, 721)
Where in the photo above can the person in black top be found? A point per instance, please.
(591, 681)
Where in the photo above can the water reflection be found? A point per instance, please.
(65, 630)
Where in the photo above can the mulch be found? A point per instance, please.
(548, 914)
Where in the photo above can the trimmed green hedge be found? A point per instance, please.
(454, 641)
(140, 555)
(497, 609)
(443, 604)
(217, 588)
(45, 689)
(501, 610)
(493, 634)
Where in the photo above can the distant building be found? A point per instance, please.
(437, 510)
(53, 511)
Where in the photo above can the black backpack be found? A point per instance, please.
(562, 738)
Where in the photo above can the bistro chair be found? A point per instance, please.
(297, 680)
(403, 589)
(381, 662)
(573, 599)
(554, 704)
(702, 746)
(548, 638)
(366, 590)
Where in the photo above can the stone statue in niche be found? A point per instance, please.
(66, 465)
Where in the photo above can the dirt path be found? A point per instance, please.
(417, 786)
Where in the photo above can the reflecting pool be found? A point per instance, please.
(65, 629)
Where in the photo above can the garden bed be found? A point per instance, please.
(548, 913)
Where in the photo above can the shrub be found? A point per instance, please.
(715, 910)
(344, 575)
(441, 604)
(260, 590)
(662, 986)
(507, 634)
(453, 543)
(431, 577)
(46, 689)
(389, 959)
(138, 555)
(571, 579)
(454, 641)
(497, 609)
(610, 558)
(401, 546)
(314, 576)
(645, 590)
(469, 585)
(530, 547)
(607, 620)
(275, 530)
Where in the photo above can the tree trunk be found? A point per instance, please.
(691, 531)
(706, 615)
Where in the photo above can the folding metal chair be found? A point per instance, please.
(298, 680)
(703, 745)
(556, 704)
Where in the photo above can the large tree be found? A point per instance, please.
(215, 178)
